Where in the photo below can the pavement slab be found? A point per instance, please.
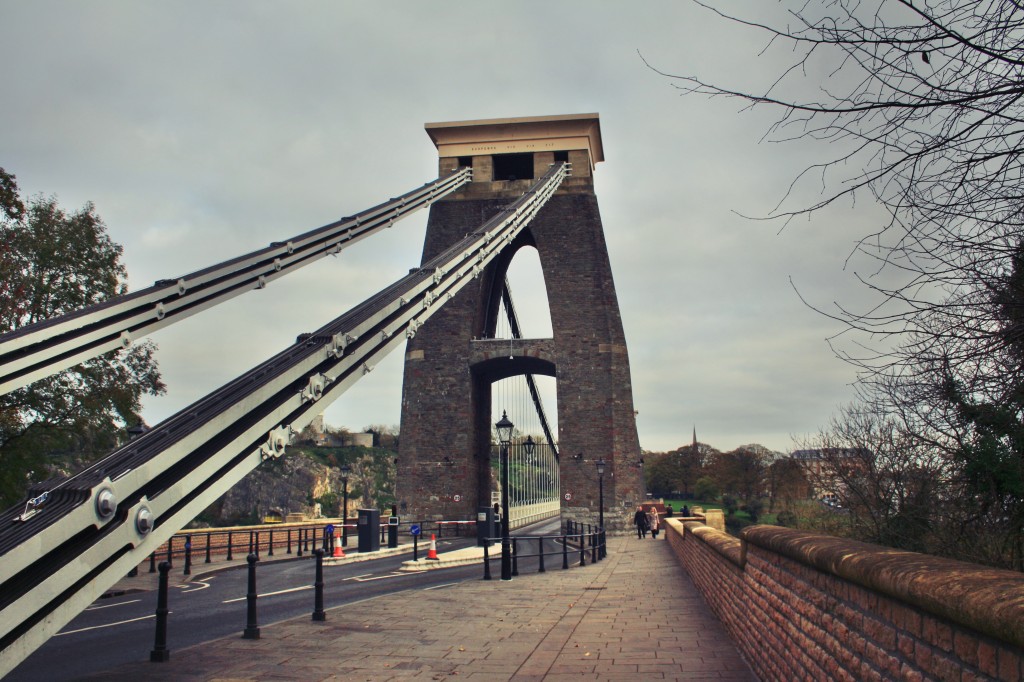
(633, 616)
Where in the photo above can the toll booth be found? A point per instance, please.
(485, 526)
(368, 527)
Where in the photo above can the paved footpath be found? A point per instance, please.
(633, 616)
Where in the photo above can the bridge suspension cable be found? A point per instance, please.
(38, 350)
(68, 544)
(531, 382)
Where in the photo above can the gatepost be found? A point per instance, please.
(484, 526)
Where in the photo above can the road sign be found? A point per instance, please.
(329, 529)
(568, 496)
(457, 498)
(414, 529)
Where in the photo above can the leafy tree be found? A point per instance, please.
(742, 472)
(990, 456)
(787, 484)
(754, 508)
(659, 474)
(54, 263)
(11, 205)
(385, 436)
(706, 489)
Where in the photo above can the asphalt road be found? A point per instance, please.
(118, 630)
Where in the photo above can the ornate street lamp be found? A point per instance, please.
(600, 504)
(504, 429)
(345, 471)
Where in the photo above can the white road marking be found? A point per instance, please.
(269, 594)
(107, 606)
(203, 586)
(108, 625)
(366, 578)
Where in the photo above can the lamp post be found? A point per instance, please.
(345, 471)
(529, 447)
(504, 429)
(600, 505)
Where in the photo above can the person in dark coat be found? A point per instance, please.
(685, 511)
(640, 519)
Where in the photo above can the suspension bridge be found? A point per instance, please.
(503, 185)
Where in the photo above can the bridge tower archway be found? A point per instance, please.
(453, 359)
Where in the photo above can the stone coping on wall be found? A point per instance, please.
(988, 600)
(723, 543)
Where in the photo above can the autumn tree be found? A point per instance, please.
(787, 484)
(742, 472)
(53, 263)
(918, 106)
(884, 479)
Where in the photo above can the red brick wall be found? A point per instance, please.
(807, 606)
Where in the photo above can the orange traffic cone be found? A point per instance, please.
(432, 554)
(339, 553)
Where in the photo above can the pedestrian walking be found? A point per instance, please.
(640, 519)
(653, 522)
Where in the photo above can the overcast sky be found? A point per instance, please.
(202, 130)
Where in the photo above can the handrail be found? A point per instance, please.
(592, 542)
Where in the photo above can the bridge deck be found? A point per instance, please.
(635, 615)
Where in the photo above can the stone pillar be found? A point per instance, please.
(446, 396)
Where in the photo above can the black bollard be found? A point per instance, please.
(415, 547)
(257, 545)
(170, 551)
(160, 652)
(583, 552)
(270, 545)
(299, 551)
(565, 553)
(188, 555)
(487, 563)
(229, 546)
(593, 543)
(540, 554)
(252, 630)
(250, 543)
(152, 562)
(289, 541)
(318, 588)
(207, 548)
(515, 557)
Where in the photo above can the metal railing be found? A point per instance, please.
(207, 545)
(574, 548)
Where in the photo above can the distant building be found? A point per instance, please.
(324, 437)
(826, 468)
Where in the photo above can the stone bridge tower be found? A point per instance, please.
(444, 468)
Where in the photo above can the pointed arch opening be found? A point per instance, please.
(529, 299)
